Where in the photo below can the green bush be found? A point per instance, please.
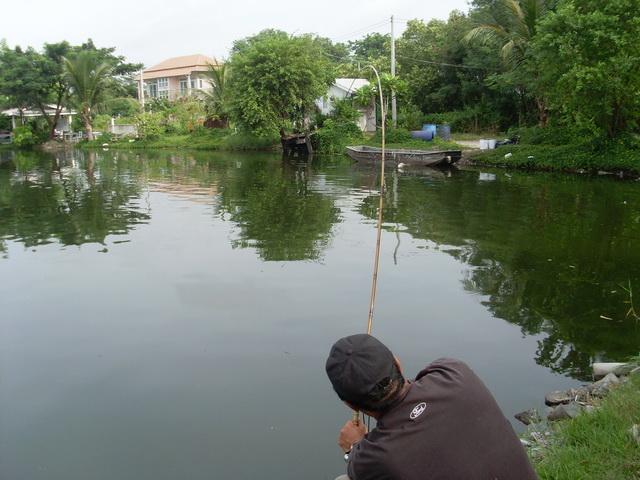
(392, 135)
(334, 136)
(475, 120)
(203, 133)
(593, 155)
(101, 123)
(150, 125)
(411, 118)
(551, 135)
(23, 137)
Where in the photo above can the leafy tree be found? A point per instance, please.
(91, 85)
(390, 84)
(275, 78)
(373, 49)
(511, 26)
(428, 63)
(588, 54)
(371, 46)
(29, 79)
(450, 80)
(122, 74)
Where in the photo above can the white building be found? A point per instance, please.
(20, 115)
(343, 88)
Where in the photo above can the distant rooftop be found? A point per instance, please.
(351, 84)
(179, 66)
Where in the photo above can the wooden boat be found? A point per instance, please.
(396, 156)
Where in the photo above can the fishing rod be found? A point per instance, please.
(383, 113)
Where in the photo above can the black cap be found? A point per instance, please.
(356, 364)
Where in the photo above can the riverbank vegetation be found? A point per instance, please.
(566, 150)
(597, 445)
(559, 75)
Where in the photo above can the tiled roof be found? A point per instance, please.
(179, 66)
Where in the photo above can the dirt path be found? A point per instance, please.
(469, 143)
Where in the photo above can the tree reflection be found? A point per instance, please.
(58, 197)
(548, 253)
(550, 259)
(277, 212)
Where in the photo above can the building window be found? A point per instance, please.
(183, 86)
(153, 89)
(193, 83)
(200, 82)
(163, 87)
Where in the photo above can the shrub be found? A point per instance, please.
(474, 120)
(551, 135)
(411, 118)
(150, 125)
(393, 135)
(23, 137)
(101, 123)
(333, 136)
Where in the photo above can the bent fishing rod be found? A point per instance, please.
(374, 284)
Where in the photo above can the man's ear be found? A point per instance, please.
(398, 363)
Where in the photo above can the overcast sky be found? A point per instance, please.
(150, 32)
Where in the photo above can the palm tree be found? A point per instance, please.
(514, 28)
(90, 83)
(214, 97)
(513, 25)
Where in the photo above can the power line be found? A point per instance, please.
(444, 64)
(379, 24)
(360, 31)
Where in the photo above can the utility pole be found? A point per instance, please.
(141, 91)
(394, 115)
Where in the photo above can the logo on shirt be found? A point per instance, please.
(418, 410)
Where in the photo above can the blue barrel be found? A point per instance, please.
(425, 135)
(444, 132)
(429, 128)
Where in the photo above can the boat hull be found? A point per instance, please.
(395, 156)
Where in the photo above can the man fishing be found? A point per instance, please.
(445, 424)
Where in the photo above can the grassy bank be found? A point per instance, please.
(620, 155)
(201, 139)
(561, 150)
(325, 141)
(599, 445)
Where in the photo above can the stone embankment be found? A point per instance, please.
(571, 403)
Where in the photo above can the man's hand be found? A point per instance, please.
(351, 434)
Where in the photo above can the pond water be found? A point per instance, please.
(167, 315)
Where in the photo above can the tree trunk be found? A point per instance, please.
(543, 112)
(86, 120)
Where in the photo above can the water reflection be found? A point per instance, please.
(63, 199)
(546, 252)
(278, 212)
(211, 285)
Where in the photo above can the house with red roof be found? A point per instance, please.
(176, 77)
